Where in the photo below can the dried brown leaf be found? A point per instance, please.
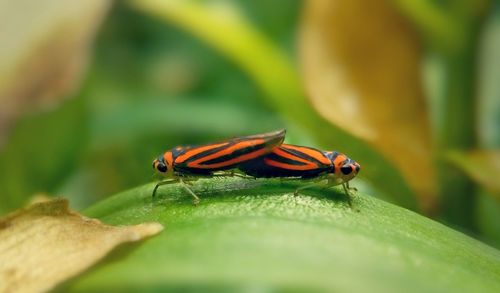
(361, 62)
(47, 243)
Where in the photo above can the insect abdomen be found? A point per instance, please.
(289, 161)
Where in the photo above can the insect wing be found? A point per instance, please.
(289, 161)
(225, 155)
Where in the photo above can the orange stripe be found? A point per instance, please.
(339, 160)
(168, 159)
(318, 155)
(188, 154)
(227, 151)
(288, 166)
(240, 159)
(236, 160)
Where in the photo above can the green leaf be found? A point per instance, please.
(248, 234)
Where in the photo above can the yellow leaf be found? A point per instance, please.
(483, 166)
(47, 243)
(361, 63)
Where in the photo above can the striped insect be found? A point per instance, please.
(300, 162)
(184, 164)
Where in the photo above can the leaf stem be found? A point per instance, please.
(457, 130)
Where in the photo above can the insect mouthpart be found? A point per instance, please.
(357, 167)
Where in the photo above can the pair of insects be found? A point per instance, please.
(257, 156)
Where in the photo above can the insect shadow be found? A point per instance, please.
(235, 189)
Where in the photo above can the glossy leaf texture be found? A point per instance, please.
(47, 243)
(248, 233)
(361, 65)
(44, 53)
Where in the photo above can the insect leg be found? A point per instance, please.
(296, 192)
(347, 191)
(196, 199)
(231, 174)
(164, 182)
(351, 188)
(346, 188)
(243, 176)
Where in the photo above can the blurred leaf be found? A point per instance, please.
(489, 87)
(120, 121)
(481, 165)
(432, 20)
(47, 243)
(45, 47)
(488, 218)
(41, 152)
(248, 233)
(223, 27)
(457, 125)
(364, 76)
(488, 120)
(445, 24)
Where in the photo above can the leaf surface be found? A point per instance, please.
(248, 233)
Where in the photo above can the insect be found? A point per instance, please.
(185, 164)
(300, 162)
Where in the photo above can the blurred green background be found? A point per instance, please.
(91, 92)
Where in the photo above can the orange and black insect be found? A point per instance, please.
(188, 163)
(292, 161)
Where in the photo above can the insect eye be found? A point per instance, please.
(357, 168)
(346, 169)
(161, 167)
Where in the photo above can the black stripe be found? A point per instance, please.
(304, 155)
(235, 154)
(278, 158)
(204, 154)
